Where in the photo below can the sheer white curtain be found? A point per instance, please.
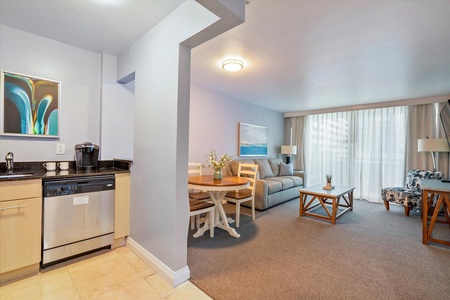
(327, 147)
(380, 147)
(365, 149)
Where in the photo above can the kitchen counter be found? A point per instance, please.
(39, 172)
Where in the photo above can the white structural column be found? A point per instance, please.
(160, 61)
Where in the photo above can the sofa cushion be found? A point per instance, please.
(298, 181)
(402, 196)
(275, 165)
(273, 186)
(286, 169)
(285, 181)
(264, 168)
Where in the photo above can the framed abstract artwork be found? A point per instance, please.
(253, 140)
(29, 106)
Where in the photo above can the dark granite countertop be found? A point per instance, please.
(38, 171)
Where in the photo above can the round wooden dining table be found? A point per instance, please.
(217, 189)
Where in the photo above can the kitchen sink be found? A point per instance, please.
(16, 175)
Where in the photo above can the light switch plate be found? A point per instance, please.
(60, 148)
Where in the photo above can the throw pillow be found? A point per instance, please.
(275, 165)
(264, 168)
(286, 169)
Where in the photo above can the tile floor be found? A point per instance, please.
(108, 274)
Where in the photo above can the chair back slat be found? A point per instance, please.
(194, 169)
(251, 172)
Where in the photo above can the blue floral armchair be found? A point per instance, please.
(409, 196)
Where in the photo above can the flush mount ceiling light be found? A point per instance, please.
(232, 65)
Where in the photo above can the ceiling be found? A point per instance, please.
(298, 55)
(109, 26)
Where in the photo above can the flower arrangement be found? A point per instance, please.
(329, 176)
(215, 164)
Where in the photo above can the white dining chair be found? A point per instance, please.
(249, 171)
(195, 169)
(198, 207)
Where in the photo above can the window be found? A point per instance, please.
(365, 149)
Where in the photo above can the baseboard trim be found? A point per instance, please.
(174, 278)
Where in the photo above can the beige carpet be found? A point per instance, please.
(370, 253)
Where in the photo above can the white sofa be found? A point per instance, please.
(277, 182)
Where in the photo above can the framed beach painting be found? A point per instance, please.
(29, 106)
(253, 140)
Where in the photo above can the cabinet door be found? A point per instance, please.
(20, 233)
(122, 206)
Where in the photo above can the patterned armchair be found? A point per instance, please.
(409, 196)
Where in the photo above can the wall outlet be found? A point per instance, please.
(60, 148)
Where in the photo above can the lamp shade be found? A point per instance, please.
(288, 149)
(433, 145)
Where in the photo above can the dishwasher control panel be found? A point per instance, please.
(60, 191)
(78, 185)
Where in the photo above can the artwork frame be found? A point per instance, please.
(29, 106)
(253, 140)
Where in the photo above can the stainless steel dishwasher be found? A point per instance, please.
(78, 216)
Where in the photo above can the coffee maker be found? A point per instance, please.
(86, 156)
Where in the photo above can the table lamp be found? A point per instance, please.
(288, 150)
(433, 145)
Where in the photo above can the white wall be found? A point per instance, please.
(214, 124)
(161, 63)
(159, 209)
(79, 73)
(117, 113)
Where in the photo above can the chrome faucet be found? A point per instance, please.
(9, 162)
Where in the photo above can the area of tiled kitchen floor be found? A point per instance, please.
(109, 274)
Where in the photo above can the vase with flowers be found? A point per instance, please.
(216, 165)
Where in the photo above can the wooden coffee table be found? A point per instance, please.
(324, 197)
